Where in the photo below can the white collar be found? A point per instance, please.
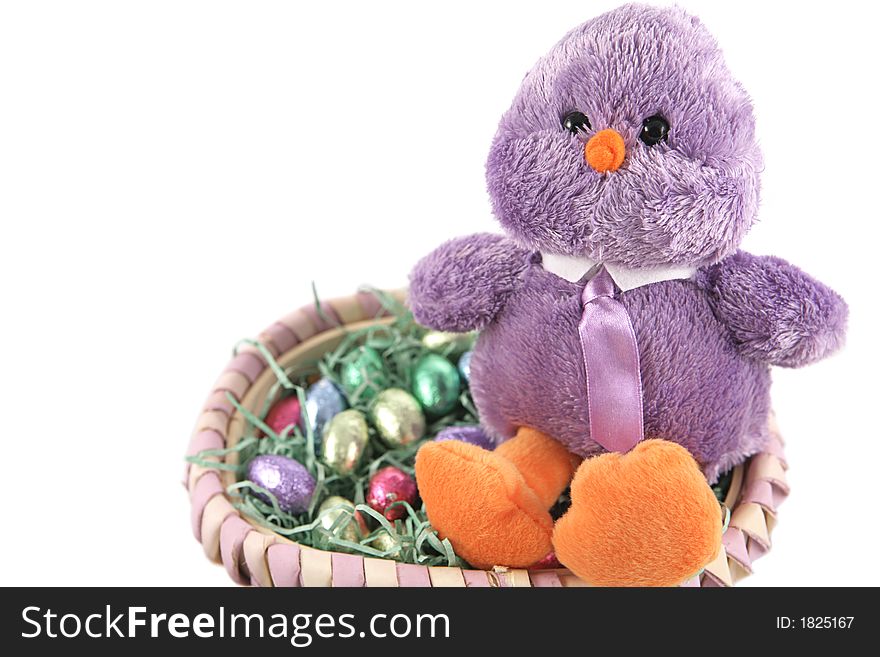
(574, 268)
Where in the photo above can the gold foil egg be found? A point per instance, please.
(355, 527)
(397, 417)
(448, 344)
(384, 542)
(345, 438)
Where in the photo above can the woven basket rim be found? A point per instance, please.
(253, 554)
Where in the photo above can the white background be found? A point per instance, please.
(173, 175)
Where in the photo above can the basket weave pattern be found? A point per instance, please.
(257, 556)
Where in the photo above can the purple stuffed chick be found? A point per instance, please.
(631, 145)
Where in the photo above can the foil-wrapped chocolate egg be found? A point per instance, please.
(397, 417)
(390, 485)
(467, 433)
(363, 374)
(287, 479)
(323, 401)
(384, 542)
(464, 366)
(284, 413)
(449, 344)
(436, 384)
(345, 438)
(547, 563)
(355, 528)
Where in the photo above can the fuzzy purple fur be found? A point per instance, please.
(464, 283)
(775, 312)
(705, 344)
(698, 390)
(687, 201)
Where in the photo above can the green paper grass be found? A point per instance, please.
(408, 540)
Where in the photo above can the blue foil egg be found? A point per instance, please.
(287, 479)
(468, 433)
(464, 366)
(323, 401)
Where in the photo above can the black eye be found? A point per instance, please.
(574, 121)
(654, 130)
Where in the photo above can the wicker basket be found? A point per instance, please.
(257, 556)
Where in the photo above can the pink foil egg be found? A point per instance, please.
(389, 485)
(549, 562)
(284, 413)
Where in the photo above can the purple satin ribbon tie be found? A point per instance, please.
(611, 361)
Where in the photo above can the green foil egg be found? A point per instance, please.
(436, 384)
(345, 438)
(448, 344)
(363, 374)
(397, 417)
(355, 528)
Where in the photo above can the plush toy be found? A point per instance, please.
(626, 341)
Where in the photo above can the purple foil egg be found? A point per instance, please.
(469, 433)
(288, 480)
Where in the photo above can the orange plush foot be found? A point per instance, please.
(645, 518)
(481, 503)
(543, 462)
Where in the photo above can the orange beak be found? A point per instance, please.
(605, 151)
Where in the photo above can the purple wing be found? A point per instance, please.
(464, 284)
(775, 312)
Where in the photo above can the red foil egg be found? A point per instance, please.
(389, 485)
(284, 413)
